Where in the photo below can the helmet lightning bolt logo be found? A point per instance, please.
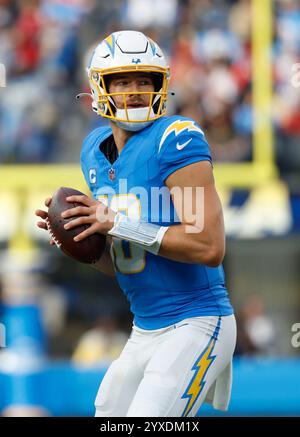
(177, 127)
(200, 367)
(110, 42)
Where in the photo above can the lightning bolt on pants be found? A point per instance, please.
(171, 371)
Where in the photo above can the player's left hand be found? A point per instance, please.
(92, 212)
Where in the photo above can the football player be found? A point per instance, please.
(154, 197)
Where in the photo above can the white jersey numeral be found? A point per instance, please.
(132, 260)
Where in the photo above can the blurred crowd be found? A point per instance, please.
(257, 333)
(45, 46)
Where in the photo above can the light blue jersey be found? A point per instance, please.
(160, 291)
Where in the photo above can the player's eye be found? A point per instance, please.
(145, 82)
(122, 83)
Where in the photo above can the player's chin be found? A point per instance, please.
(136, 106)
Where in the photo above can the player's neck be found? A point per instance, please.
(121, 136)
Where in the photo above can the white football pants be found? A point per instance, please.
(170, 372)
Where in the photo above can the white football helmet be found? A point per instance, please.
(128, 51)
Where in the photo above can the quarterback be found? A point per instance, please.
(168, 261)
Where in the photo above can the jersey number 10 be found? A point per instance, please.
(127, 257)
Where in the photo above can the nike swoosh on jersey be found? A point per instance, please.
(182, 146)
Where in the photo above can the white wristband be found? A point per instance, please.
(147, 235)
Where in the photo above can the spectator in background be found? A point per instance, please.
(7, 16)
(147, 13)
(22, 92)
(26, 37)
(104, 342)
(257, 335)
(36, 103)
(213, 98)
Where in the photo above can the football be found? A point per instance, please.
(86, 251)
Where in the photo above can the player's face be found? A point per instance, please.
(131, 83)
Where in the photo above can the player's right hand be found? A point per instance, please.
(44, 215)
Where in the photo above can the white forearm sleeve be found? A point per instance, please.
(147, 235)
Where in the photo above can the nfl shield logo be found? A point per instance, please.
(111, 174)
